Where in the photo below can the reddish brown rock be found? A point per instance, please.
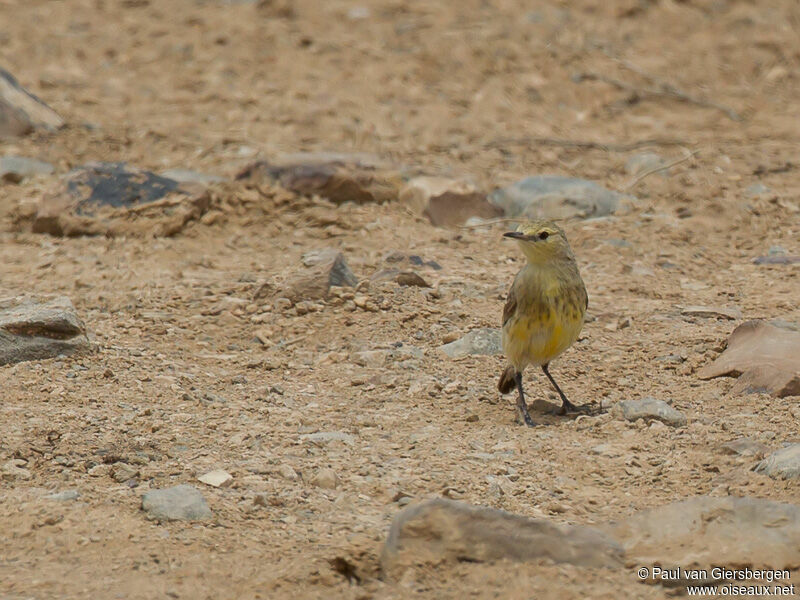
(766, 357)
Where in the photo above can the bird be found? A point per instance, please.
(544, 311)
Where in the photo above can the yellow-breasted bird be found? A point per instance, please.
(544, 311)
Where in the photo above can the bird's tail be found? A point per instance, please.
(507, 380)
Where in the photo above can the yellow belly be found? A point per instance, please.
(536, 341)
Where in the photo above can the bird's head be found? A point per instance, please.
(541, 241)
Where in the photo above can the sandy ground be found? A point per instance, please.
(180, 385)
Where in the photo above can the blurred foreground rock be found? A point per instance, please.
(33, 328)
(765, 356)
(21, 112)
(338, 177)
(556, 197)
(14, 169)
(437, 530)
(702, 532)
(115, 199)
(447, 202)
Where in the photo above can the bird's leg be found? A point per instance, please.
(566, 405)
(521, 405)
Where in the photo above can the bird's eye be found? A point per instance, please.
(544, 235)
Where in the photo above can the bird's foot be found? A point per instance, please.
(524, 416)
(568, 407)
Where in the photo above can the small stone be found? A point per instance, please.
(217, 478)
(189, 176)
(64, 496)
(321, 270)
(287, 472)
(649, 409)
(16, 168)
(486, 341)
(370, 358)
(410, 278)
(13, 470)
(122, 472)
(745, 447)
(325, 478)
(324, 437)
(178, 503)
(262, 499)
(361, 301)
(719, 312)
(783, 464)
(472, 418)
(756, 189)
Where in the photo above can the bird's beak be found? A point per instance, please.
(514, 235)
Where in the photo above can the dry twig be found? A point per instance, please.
(639, 178)
(663, 90)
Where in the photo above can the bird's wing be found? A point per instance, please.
(511, 305)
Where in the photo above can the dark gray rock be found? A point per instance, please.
(485, 341)
(21, 112)
(556, 197)
(649, 409)
(783, 464)
(36, 328)
(437, 530)
(116, 199)
(16, 168)
(179, 503)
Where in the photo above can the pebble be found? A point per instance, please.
(325, 478)
(179, 503)
(745, 447)
(16, 168)
(122, 472)
(720, 312)
(323, 437)
(216, 478)
(486, 341)
(649, 409)
(64, 496)
(287, 472)
(13, 469)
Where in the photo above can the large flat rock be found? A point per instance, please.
(440, 529)
(766, 358)
(115, 199)
(37, 328)
(703, 532)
